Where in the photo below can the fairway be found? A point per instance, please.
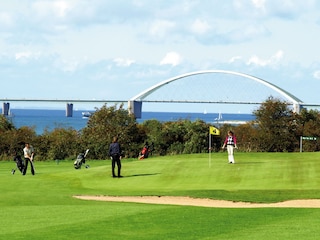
(43, 206)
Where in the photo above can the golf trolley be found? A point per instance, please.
(19, 164)
(81, 159)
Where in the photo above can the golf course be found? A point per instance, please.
(47, 205)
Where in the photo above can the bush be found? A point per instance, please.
(276, 128)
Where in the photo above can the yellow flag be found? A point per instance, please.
(214, 131)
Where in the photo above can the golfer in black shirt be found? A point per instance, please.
(115, 153)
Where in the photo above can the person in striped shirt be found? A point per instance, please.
(231, 143)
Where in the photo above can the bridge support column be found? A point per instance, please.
(69, 110)
(296, 108)
(5, 108)
(134, 107)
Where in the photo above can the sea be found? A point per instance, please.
(44, 119)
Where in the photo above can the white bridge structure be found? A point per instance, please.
(208, 86)
(135, 103)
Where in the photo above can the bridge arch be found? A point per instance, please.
(135, 103)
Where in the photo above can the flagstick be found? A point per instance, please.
(209, 149)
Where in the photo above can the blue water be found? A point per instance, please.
(208, 117)
(42, 119)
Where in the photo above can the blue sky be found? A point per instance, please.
(100, 49)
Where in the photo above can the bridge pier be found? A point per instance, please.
(134, 107)
(69, 110)
(5, 108)
(296, 108)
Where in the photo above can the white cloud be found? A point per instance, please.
(6, 19)
(260, 4)
(290, 9)
(55, 8)
(277, 57)
(255, 60)
(250, 9)
(26, 55)
(234, 59)
(171, 58)
(160, 28)
(200, 26)
(60, 8)
(316, 74)
(284, 9)
(123, 62)
(247, 33)
(68, 66)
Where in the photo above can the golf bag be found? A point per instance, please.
(81, 159)
(19, 164)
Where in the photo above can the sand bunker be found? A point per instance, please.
(204, 202)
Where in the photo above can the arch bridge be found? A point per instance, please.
(135, 103)
(215, 95)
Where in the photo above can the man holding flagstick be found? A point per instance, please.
(28, 153)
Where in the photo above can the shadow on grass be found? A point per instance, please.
(248, 163)
(142, 175)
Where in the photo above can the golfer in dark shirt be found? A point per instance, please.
(115, 153)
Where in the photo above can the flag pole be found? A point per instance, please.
(210, 148)
(212, 131)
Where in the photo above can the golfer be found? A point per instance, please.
(28, 153)
(231, 143)
(115, 154)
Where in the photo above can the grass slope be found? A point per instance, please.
(42, 207)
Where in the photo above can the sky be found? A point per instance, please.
(115, 49)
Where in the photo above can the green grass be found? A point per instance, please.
(42, 206)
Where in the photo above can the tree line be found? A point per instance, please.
(276, 128)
